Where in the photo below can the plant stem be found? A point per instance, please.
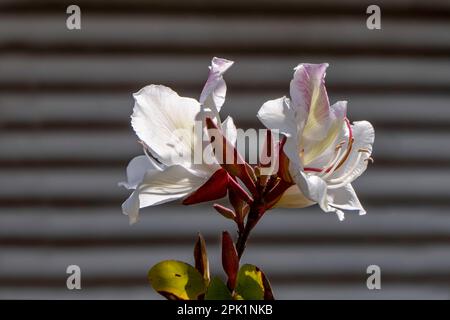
(241, 242)
(253, 217)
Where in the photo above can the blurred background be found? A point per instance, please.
(65, 141)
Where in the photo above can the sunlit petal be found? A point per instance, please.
(164, 121)
(345, 198)
(307, 90)
(173, 183)
(364, 136)
(136, 170)
(277, 115)
(215, 89)
(293, 198)
(331, 132)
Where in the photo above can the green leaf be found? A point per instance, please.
(252, 284)
(176, 280)
(217, 290)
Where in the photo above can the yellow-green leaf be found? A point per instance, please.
(176, 280)
(217, 290)
(250, 285)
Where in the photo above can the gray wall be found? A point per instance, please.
(65, 140)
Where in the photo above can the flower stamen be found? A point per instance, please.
(341, 159)
(335, 165)
(346, 178)
(333, 160)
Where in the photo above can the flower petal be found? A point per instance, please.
(313, 187)
(364, 136)
(160, 187)
(307, 90)
(164, 121)
(136, 170)
(131, 207)
(277, 115)
(345, 198)
(335, 124)
(293, 198)
(214, 91)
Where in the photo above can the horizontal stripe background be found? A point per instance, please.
(65, 140)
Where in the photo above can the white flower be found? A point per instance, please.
(326, 152)
(164, 122)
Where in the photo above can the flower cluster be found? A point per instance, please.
(316, 153)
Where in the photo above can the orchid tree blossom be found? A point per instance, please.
(320, 153)
(326, 152)
(164, 123)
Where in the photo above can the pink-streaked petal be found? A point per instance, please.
(364, 137)
(308, 92)
(214, 91)
(339, 110)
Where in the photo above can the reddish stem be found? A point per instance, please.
(256, 212)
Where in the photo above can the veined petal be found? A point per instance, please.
(160, 187)
(293, 198)
(136, 170)
(164, 121)
(345, 198)
(215, 89)
(307, 90)
(315, 151)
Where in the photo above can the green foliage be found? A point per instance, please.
(217, 290)
(177, 280)
(252, 284)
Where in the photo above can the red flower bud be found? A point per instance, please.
(238, 167)
(224, 211)
(230, 260)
